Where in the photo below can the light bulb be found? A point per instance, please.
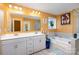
(33, 12)
(15, 7)
(10, 6)
(36, 12)
(39, 13)
(20, 8)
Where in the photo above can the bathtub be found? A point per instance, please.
(64, 44)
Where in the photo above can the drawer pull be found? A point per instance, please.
(16, 46)
(40, 41)
(69, 42)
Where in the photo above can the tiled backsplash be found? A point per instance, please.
(51, 34)
(65, 35)
(60, 34)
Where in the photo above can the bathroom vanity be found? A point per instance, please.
(27, 39)
(22, 44)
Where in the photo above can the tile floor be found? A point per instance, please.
(54, 51)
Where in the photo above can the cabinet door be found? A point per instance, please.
(8, 49)
(30, 45)
(20, 47)
(42, 42)
(36, 44)
(39, 43)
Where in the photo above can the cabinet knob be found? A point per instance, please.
(40, 40)
(69, 42)
(16, 46)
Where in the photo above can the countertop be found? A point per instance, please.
(19, 35)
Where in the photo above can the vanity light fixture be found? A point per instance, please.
(20, 8)
(39, 13)
(35, 12)
(15, 7)
(10, 6)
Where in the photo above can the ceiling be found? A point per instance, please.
(52, 8)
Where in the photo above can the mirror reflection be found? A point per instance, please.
(24, 23)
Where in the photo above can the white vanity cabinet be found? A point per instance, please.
(13, 47)
(30, 45)
(8, 47)
(39, 43)
(35, 44)
(22, 45)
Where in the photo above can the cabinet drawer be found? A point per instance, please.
(29, 46)
(7, 41)
(29, 50)
(29, 43)
(8, 49)
(40, 37)
(20, 39)
(36, 49)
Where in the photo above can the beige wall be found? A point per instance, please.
(70, 28)
(27, 11)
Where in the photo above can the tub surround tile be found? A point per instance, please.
(64, 35)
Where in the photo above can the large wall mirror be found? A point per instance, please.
(26, 23)
(32, 23)
(1, 20)
(15, 23)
